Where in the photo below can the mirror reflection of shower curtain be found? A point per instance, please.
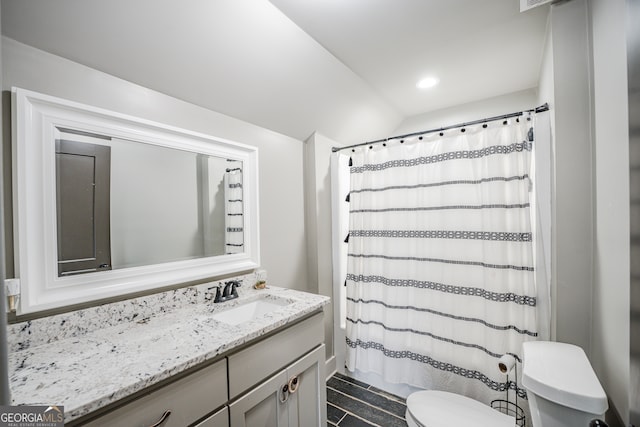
(440, 277)
(234, 219)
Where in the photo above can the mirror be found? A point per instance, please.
(120, 204)
(123, 204)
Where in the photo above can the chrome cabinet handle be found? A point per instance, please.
(162, 419)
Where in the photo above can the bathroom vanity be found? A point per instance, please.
(195, 356)
(178, 359)
(247, 387)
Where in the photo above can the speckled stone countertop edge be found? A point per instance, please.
(89, 371)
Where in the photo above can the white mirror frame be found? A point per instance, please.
(34, 118)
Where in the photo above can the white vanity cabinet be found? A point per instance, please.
(263, 406)
(293, 393)
(277, 381)
(294, 397)
(307, 407)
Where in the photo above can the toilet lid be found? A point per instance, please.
(561, 373)
(433, 408)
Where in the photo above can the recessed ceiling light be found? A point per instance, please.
(427, 83)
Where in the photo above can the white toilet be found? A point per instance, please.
(431, 408)
(562, 389)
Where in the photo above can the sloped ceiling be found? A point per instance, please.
(344, 68)
(240, 58)
(477, 49)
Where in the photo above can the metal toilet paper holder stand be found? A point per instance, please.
(507, 407)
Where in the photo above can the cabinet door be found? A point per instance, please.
(307, 406)
(262, 406)
(263, 359)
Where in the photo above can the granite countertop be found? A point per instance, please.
(85, 368)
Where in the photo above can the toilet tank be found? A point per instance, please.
(562, 387)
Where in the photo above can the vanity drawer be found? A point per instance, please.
(255, 363)
(189, 399)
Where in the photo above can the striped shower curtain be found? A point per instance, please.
(234, 218)
(440, 278)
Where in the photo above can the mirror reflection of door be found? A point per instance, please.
(83, 207)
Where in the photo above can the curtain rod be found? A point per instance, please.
(544, 107)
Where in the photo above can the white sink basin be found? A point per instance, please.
(249, 310)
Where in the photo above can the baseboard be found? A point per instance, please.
(330, 366)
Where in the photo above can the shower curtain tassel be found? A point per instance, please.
(350, 161)
(348, 199)
(530, 134)
(346, 240)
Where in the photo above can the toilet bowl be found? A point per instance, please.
(562, 388)
(431, 408)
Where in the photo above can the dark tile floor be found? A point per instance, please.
(352, 403)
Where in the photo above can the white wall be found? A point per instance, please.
(633, 76)
(504, 104)
(546, 90)
(154, 205)
(572, 257)
(282, 233)
(583, 76)
(544, 175)
(610, 327)
(318, 226)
